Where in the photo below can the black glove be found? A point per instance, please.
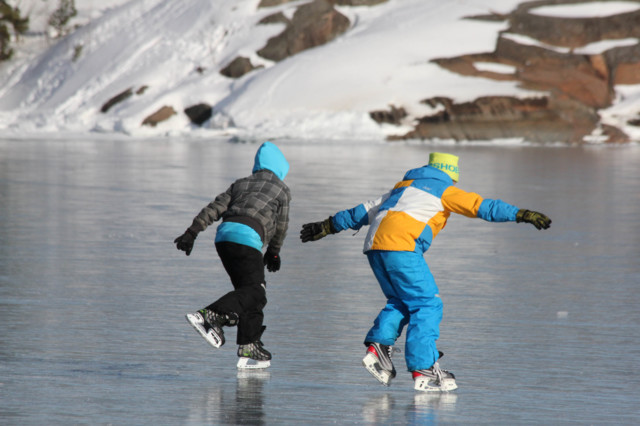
(538, 220)
(185, 241)
(316, 230)
(272, 260)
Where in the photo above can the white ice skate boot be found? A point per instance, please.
(378, 362)
(253, 355)
(434, 380)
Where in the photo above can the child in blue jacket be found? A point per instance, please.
(402, 225)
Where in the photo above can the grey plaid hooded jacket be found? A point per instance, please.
(260, 200)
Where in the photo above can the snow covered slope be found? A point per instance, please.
(176, 49)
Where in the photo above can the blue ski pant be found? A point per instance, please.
(412, 300)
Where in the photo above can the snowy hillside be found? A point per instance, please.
(176, 50)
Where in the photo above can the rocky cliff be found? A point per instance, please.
(572, 87)
(567, 84)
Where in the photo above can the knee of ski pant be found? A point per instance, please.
(425, 308)
(250, 298)
(388, 325)
(258, 293)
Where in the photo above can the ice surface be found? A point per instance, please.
(93, 292)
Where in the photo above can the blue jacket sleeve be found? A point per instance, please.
(497, 211)
(354, 218)
(360, 215)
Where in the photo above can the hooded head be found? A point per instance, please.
(448, 163)
(271, 158)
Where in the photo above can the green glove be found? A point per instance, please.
(316, 230)
(185, 241)
(538, 220)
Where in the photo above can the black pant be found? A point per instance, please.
(245, 267)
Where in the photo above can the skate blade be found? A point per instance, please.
(423, 384)
(212, 338)
(370, 362)
(251, 364)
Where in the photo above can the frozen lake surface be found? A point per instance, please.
(540, 327)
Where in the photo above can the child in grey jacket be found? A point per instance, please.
(255, 213)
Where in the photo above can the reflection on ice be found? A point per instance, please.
(377, 409)
(445, 401)
(248, 408)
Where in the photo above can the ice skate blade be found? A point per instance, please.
(212, 338)
(424, 384)
(370, 362)
(245, 363)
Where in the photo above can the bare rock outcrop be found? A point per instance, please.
(573, 32)
(392, 116)
(120, 97)
(159, 116)
(198, 114)
(271, 3)
(313, 24)
(540, 119)
(359, 2)
(238, 67)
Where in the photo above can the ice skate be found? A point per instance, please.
(434, 379)
(253, 355)
(209, 325)
(378, 362)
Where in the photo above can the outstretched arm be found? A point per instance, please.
(353, 218)
(206, 217)
(473, 205)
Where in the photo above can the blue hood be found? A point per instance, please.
(428, 172)
(271, 158)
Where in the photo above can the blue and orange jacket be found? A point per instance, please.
(409, 217)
